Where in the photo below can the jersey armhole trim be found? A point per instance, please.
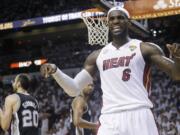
(19, 104)
(140, 43)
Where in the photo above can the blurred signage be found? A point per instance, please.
(41, 20)
(28, 22)
(141, 9)
(138, 9)
(57, 18)
(20, 64)
(23, 64)
(67, 17)
(5, 26)
(40, 62)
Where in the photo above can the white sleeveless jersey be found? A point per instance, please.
(124, 77)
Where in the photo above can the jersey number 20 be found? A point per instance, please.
(30, 118)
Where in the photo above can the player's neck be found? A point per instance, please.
(120, 41)
(86, 97)
(21, 90)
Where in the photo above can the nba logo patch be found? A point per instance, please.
(132, 47)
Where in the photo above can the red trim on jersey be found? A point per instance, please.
(147, 78)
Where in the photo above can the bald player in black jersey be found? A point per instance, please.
(20, 113)
(80, 107)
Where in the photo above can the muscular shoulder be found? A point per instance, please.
(149, 50)
(12, 98)
(78, 101)
(93, 56)
(12, 101)
(90, 63)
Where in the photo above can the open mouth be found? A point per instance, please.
(116, 29)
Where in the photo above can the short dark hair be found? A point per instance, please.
(24, 81)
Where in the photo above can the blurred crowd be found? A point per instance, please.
(165, 97)
(67, 54)
(11, 10)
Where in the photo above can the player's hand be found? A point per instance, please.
(95, 130)
(174, 49)
(48, 69)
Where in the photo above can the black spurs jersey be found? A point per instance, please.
(85, 116)
(25, 120)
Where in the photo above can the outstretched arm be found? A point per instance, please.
(78, 111)
(73, 86)
(154, 55)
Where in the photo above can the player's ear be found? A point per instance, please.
(129, 22)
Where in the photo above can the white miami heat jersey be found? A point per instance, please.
(125, 78)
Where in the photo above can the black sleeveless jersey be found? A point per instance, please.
(85, 116)
(25, 120)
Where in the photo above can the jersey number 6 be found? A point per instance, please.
(126, 74)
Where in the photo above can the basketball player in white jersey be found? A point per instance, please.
(80, 107)
(124, 67)
(20, 113)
